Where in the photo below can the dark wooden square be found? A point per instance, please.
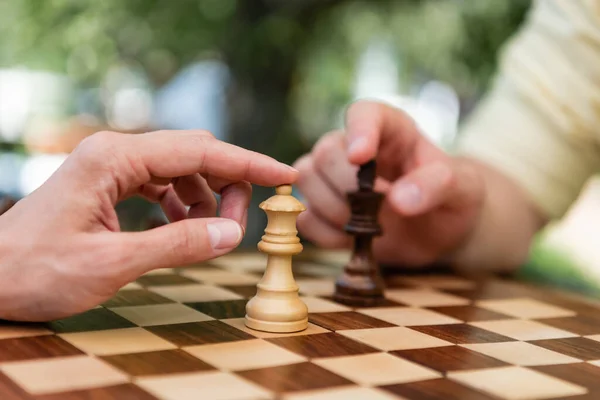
(248, 291)
(578, 347)
(469, 313)
(462, 333)
(127, 391)
(322, 345)
(92, 320)
(295, 377)
(436, 389)
(583, 374)
(221, 309)
(449, 358)
(136, 297)
(193, 333)
(157, 362)
(579, 324)
(335, 321)
(164, 279)
(29, 348)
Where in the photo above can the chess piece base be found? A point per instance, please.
(358, 291)
(276, 327)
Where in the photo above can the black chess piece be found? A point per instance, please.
(361, 283)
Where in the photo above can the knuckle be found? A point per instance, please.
(324, 151)
(98, 145)
(186, 242)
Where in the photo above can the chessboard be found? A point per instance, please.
(179, 334)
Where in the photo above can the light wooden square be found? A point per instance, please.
(195, 293)
(239, 262)
(63, 374)
(203, 385)
(132, 286)
(525, 308)
(376, 369)
(161, 314)
(117, 341)
(318, 305)
(217, 276)
(342, 393)
(425, 298)
(517, 383)
(16, 331)
(244, 355)
(396, 338)
(239, 323)
(161, 271)
(523, 329)
(521, 353)
(409, 316)
(316, 287)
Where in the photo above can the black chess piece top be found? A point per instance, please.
(361, 283)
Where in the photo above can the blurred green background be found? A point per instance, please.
(268, 75)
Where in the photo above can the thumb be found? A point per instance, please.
(182, 243)
(433, 185)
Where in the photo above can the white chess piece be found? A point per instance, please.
(277, 307)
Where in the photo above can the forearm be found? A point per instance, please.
(508, 221)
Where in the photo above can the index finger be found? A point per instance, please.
(178, 153)
(371, 126)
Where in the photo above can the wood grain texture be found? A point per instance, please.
(578, 347)
(580, 324)
(28, 348)
(295, 377)
(469, 313)
(10, 391)
(92, 320)
(221, 309)
(136, 297)
(436, 389)
(247, 291)
(164, 279)
(346, 320)
(322, 345)
(119, 392)
(462, 334)
(583, 374)
(157, 363)
(449, 358)
(199, 333)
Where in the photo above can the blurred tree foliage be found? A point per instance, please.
(292, 61)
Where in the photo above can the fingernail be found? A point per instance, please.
(291, 168)
(224, 234)
(357, 144)
(407, 196)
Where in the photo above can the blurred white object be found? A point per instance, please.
(577, 233)
(37, 169)
(436, 107)
(25, 94)
(195, 98)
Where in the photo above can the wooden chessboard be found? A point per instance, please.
(180, 334)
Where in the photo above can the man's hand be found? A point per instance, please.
(433, 201)
(61, 248)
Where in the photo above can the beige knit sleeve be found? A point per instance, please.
(540, 123)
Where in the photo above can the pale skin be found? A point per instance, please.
(437, 207)
(62, 251)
